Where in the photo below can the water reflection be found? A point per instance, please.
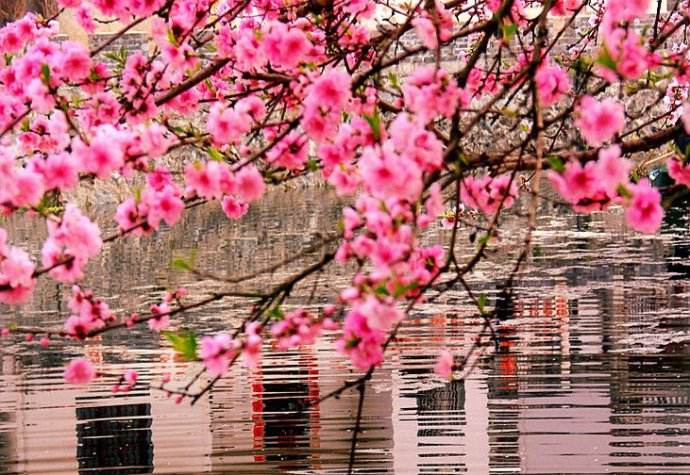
(591, 373)
(114, 436)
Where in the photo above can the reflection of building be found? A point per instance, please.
(268, 427)
(67, 429)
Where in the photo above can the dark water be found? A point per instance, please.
(592, 374)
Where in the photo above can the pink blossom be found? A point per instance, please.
(444, 365)
(644, 213)
(16, 272)
(297, 328)
(165, 205)
(386, 174)
(161, 317)
(285, 47)
(344, 179)
(79, 371)
(251, 349)
(625, 10)
(159, 178)
(64, 267)
(434, 203)
(250, 183)
(227, 125)
(291, 153)
(205, 178)
(79, 235)
(552, 83)
(426, 31)
(612, 169)
(102, 157)
(626, 49)
(42, 101)
(488, 193)
(75, 62)
(599, 121)
(69, 3)
(80, 326)
(84, 17)
(412, 140)
(430, 92)
(234, 208)
(331, 90)
(380, 315)
(130, 377)
(427, 23)
(580, 181)
(17, 295)
(362, 343)
(679, 171)
(28, 188)
(127, 381)
(16, 269)
(216, 352)
(129, 214)
(60, 172)
(565, 7)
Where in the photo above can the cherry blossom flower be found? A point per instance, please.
(679, 171)
(645, 214)
(216, 352)
(363, 344)
(599, 121)
(444, 365)
(79, 371)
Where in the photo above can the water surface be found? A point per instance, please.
(592, 374)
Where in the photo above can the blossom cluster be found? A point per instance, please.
(269, 90)
(88, 313)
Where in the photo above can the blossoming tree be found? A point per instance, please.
(270, 90)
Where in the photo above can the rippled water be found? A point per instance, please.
(592, 373)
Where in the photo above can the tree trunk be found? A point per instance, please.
(10, 10)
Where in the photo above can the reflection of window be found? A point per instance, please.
(285, 427)
(440, 410)
(114, 440)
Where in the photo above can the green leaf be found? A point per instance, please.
(184, 264)
(623, 191)
(312, 165)
(374, 121)
(393, 79)
(137, 194)
(484, 240)
(481, 303)
(401, 290)
(45, 73)
(181, 264)
(556, 163)
(381, 290)
(184, 342)
(49, 204)
(171, 38)
(463, 159)
(215, 154)
(605, 59)
(276, 313)
(509, 30)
